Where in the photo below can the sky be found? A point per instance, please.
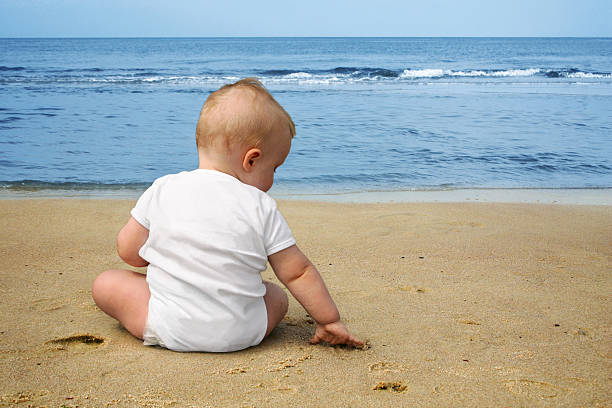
(220, 18)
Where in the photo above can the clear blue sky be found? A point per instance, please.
(202, 18)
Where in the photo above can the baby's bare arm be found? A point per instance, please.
(129, 240)
(304, 282)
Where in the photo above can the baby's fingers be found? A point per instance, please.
(354, 341)
(347, 339)
(322, 335)
(316, 339)
(335, 339)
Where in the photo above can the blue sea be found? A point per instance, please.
(372, 114)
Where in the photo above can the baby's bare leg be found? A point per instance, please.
(123, 295)
(277, 304)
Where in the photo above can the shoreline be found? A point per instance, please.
(560, 196)
(575, 196)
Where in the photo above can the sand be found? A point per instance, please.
(466, 304)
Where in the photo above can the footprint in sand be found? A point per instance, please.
(396, 386)
(77, 342)
(46, 305)
(384, 370)
(533, 389)
(385, 367)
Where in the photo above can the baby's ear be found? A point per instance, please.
(250, 158)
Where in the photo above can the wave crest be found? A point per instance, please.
(339, 75)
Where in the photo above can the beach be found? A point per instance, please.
(461, 304)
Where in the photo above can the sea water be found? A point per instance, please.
(371, 114)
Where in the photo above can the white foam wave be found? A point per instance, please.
(298, 75)
(303, 78)
(424, 73)
(468, 73)
(157, 79)
(438, 73)
(162, 79)
(416, 76)
(588, 75)
(515, 72)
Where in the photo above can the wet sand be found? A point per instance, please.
(463, 304)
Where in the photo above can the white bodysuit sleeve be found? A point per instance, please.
(277, 234)
(141, 212)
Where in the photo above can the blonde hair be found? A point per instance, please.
(246, 118)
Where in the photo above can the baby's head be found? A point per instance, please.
(244, 132)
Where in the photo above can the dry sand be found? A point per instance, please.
(463, 305)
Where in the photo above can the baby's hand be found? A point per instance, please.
(335, 333)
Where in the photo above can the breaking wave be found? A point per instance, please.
(338, 75)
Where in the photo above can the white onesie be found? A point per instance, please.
(209, 239)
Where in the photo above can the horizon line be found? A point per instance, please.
(296, 36)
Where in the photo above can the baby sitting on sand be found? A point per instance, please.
(207, 234)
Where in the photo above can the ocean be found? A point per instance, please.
(371, 114)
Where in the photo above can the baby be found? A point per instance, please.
(207, 234)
